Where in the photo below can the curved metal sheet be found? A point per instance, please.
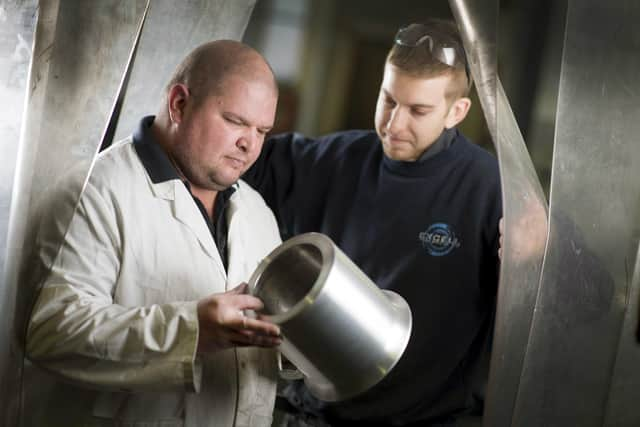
(524, 210)
(525, 237)
(78, 59)
(594, 230)
(17, 27)
(478, 23)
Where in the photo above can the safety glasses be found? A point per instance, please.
(415, 35)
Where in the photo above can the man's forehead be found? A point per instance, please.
(234, 82)
(391, 70)
(428, 90)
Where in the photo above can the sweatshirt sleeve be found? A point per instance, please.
(77, 331)
(275, 172)
(279, 170)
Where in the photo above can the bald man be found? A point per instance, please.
(142, 314)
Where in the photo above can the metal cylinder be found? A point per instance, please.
(339, 329)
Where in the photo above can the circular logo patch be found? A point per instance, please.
(439, 239)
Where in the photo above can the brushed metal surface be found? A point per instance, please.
(478, 25)
(74, 76)
(339, 329)
(79, 52)
(525, 236)
(17, 28)
(593, 225)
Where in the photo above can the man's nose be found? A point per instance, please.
(397, 120)
(247, 141)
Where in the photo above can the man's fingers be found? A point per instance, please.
(257, 326)
(224, 324)
(245, 302)
(248, 338)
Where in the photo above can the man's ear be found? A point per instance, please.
(457, 112)
(177, 100)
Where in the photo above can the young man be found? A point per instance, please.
(416, 206)
(137, 313)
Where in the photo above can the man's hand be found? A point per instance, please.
(222, 323)
(528, 233)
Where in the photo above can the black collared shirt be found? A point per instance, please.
(160, 169)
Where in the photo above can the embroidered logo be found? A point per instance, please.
(439, 239)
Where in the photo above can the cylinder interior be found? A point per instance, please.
(288, 278)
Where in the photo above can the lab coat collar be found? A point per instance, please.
(186, 211)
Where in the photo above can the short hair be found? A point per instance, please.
(205, 69)
(418, 61)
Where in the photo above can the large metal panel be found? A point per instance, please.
(594, 228)
(17, 26)
(524, 210)
(79, 53)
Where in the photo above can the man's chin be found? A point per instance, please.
(222, 183)
(226, 184)
(398, 154)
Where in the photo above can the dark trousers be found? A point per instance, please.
(286, 415)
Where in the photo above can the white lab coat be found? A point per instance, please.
(117, 314)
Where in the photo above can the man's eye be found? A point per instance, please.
(233, 120)
(389, 102)
(419, 112)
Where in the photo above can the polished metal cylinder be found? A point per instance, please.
(339, 329)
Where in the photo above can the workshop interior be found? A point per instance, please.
(556, 98)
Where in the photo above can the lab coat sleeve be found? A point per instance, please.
(76, 330)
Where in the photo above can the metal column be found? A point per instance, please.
(17, 27)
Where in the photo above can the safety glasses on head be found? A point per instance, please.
(441, 49)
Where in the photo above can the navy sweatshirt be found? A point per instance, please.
(427, 230)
